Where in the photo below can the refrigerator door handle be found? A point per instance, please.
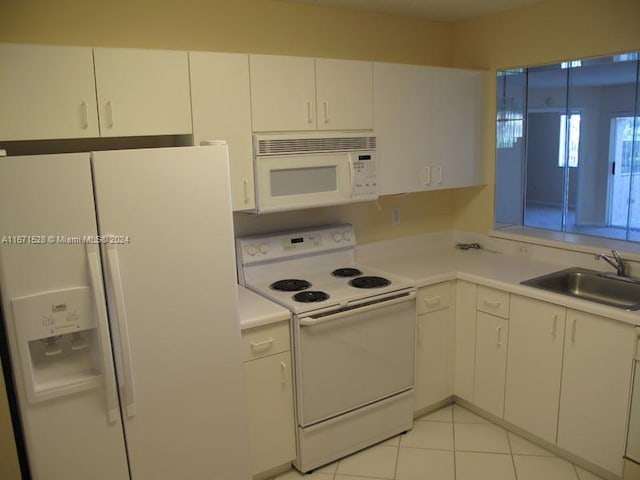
(103, 333)
(123, 328)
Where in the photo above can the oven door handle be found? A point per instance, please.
(311, 321)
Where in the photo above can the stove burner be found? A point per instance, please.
(369, 282)
(310, 296)
(346, 272)
(290, 285)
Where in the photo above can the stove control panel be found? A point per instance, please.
(282, 245)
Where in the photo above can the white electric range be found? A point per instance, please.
(353, 331)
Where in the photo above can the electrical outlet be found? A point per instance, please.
(523, 250)
(395, 216)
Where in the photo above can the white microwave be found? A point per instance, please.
(294, 171)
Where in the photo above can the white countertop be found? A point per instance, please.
(426, 266)
(256, 310)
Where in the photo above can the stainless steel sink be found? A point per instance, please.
(620, 292)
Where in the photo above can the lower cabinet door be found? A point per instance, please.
(431, 359)
(534, 366)
(270, 404)
(596, 384)
(491, 362)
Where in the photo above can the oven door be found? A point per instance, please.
(290, 182)
(354, 357)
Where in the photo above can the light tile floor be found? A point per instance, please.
(451, 444)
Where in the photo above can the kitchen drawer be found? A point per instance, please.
(495, 302)
(266, 340)
(433, 297)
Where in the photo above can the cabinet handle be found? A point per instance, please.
(326, 111)
(84, 115)
(432, 301)
(573, 332)
(263, 343)
(499, 339)
(491, 303)
(109, 109)
(283, 373)
(245, 186)
(554, 330)
(419, 334)
(309, 113)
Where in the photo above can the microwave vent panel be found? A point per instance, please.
(284, 146)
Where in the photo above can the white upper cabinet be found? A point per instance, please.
(142, 92)
(455, 120)
(283, 93)
(46, 92)
(402, 102)
(428, 125)
(221, 106)
(300, 93)
(344, 95)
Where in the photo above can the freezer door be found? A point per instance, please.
(55, 319)
(172, 293)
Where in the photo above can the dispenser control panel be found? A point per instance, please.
(53, 313)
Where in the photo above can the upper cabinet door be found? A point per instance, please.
(457, 102)
(142, 92)
(402, 98)
(282, 93)
(46, 92)
(344, 94)
(221, 105)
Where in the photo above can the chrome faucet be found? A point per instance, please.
(615, 260)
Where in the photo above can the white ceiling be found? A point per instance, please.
(443, 10)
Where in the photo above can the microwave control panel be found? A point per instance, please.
(365, 176)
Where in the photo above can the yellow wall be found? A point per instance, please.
(248, 26)
(546, 32)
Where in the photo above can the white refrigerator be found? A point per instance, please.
(119, 299)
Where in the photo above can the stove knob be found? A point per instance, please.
(346, 236)
(264, 248)
(252, 250)
(337, 237)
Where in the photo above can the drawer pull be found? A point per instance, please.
(262, 345)
(492, 303)
(432, 301)
(499, 339)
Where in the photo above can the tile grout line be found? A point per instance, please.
(513, 460)
(395, 470)
(455, 455)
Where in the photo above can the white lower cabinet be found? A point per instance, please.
(268, 381)
(492, 329)
(534, 366)
(491, 363)
(432, 346)
(465, 340)
(596, 384)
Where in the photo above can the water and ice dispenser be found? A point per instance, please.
(58, 342)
